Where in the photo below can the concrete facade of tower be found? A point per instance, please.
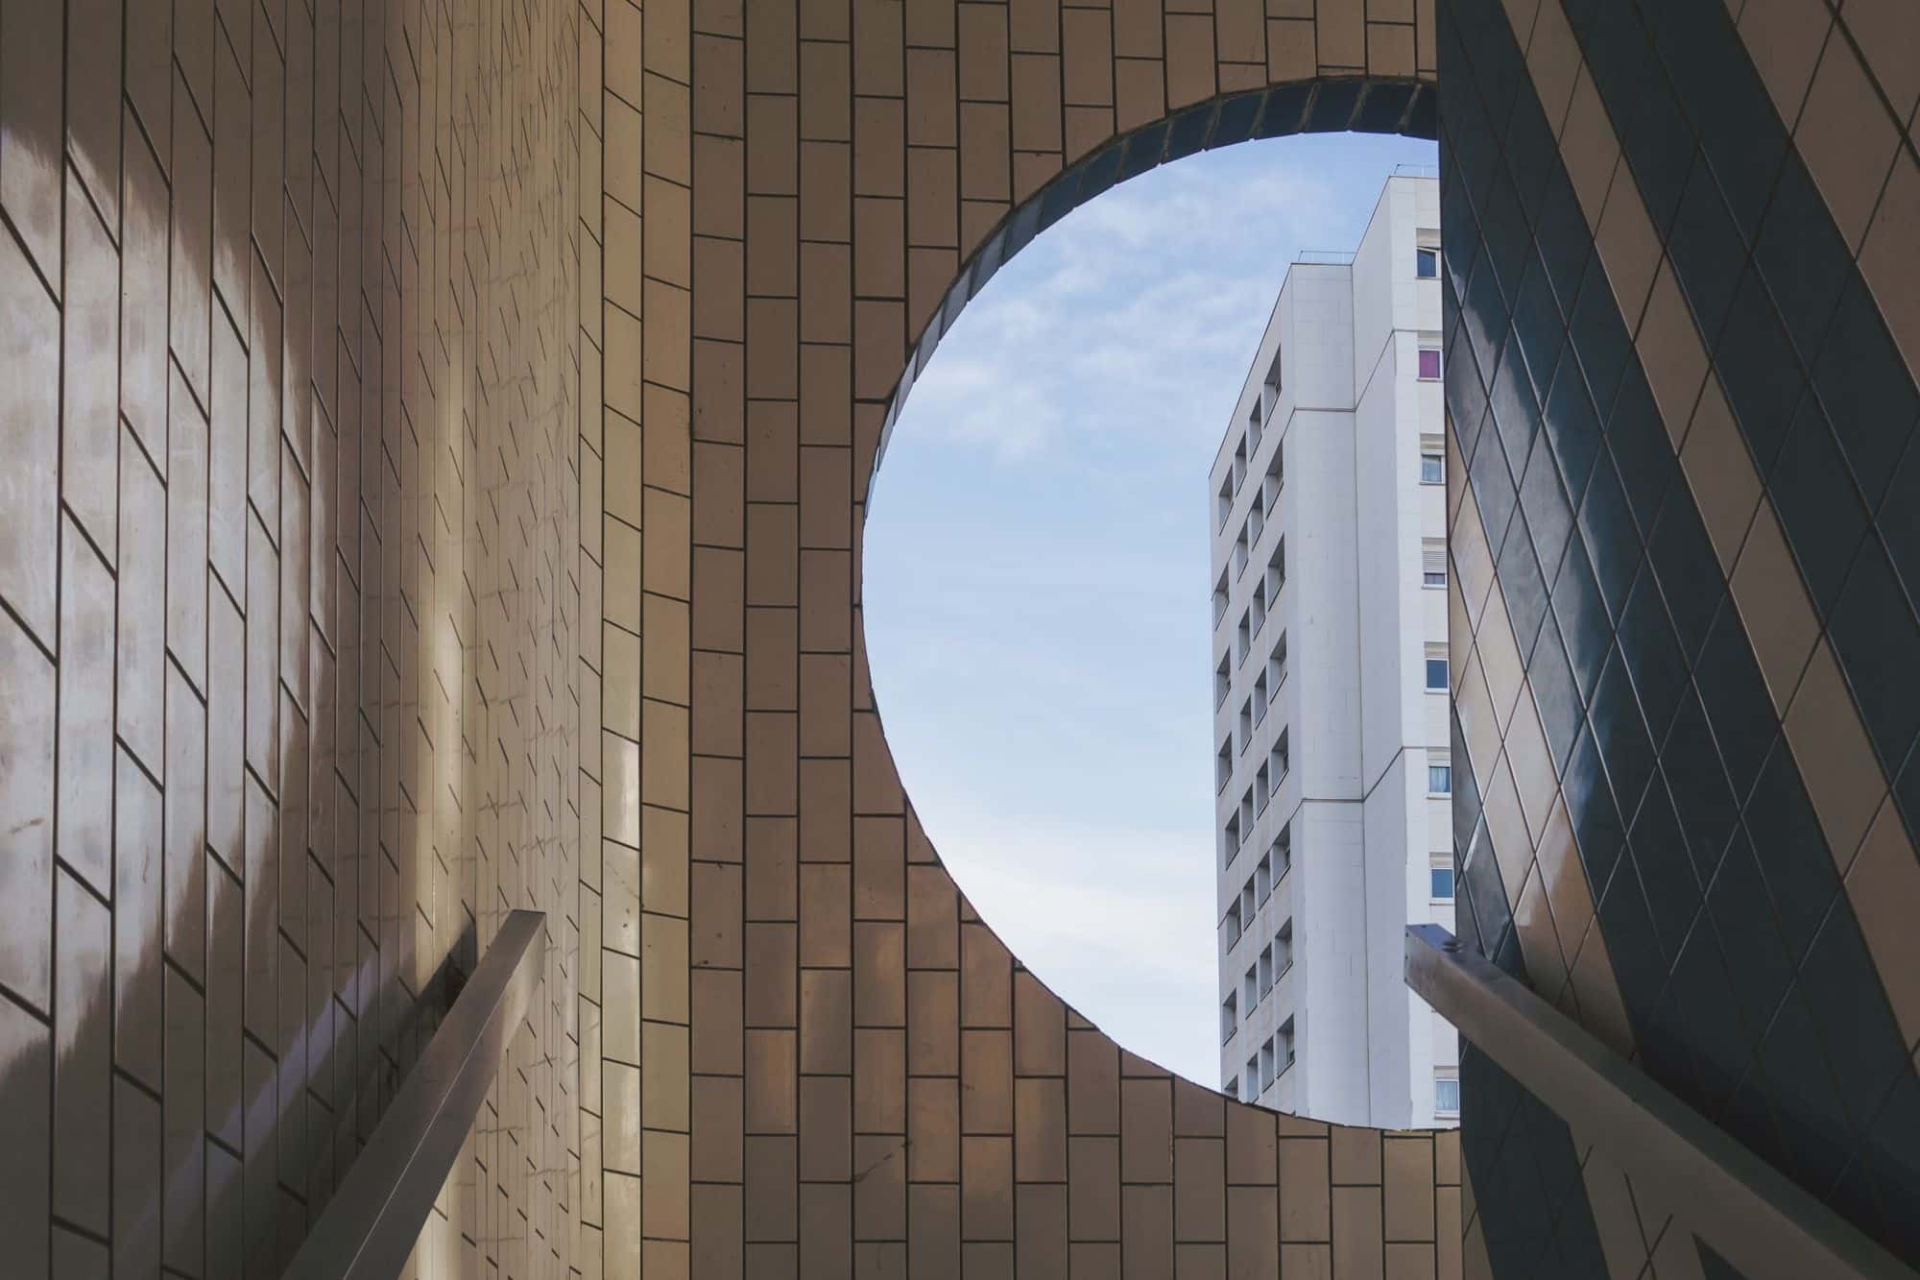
(1332, 768)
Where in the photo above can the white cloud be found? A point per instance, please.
(969, 403)
(1208, 201)
(1126, 317)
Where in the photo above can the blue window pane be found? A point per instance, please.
(1426, 263)
(1440, 779)
(1446, 1097)
(1433, 469)
(1437, 674)
(1443, 884)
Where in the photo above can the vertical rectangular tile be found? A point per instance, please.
(83, 1054)
(28, 719)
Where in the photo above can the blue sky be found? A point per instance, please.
(1036, 582)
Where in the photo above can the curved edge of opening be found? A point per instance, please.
(1325, 104)
(1358, 104)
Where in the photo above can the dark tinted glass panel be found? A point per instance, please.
(1701, 798)
(1792, 851)
(1866, 388)
(1707, 251)
(1819, 507)
(1758, 369)
(1879, 647)
(1803, 257)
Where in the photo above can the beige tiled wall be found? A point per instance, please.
(288, 612)
(324, 641)
(840, 1070)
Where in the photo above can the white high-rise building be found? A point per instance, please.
(1328, 521)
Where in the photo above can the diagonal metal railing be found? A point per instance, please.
(369, 1227)
(1753, 1215)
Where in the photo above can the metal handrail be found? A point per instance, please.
(370, 1226)
(1751, 1213)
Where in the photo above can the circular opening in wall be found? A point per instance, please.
(1038, 572)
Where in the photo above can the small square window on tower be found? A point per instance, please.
(1426, 254)
(1433, 460)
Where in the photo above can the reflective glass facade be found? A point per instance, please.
(1686, 612)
